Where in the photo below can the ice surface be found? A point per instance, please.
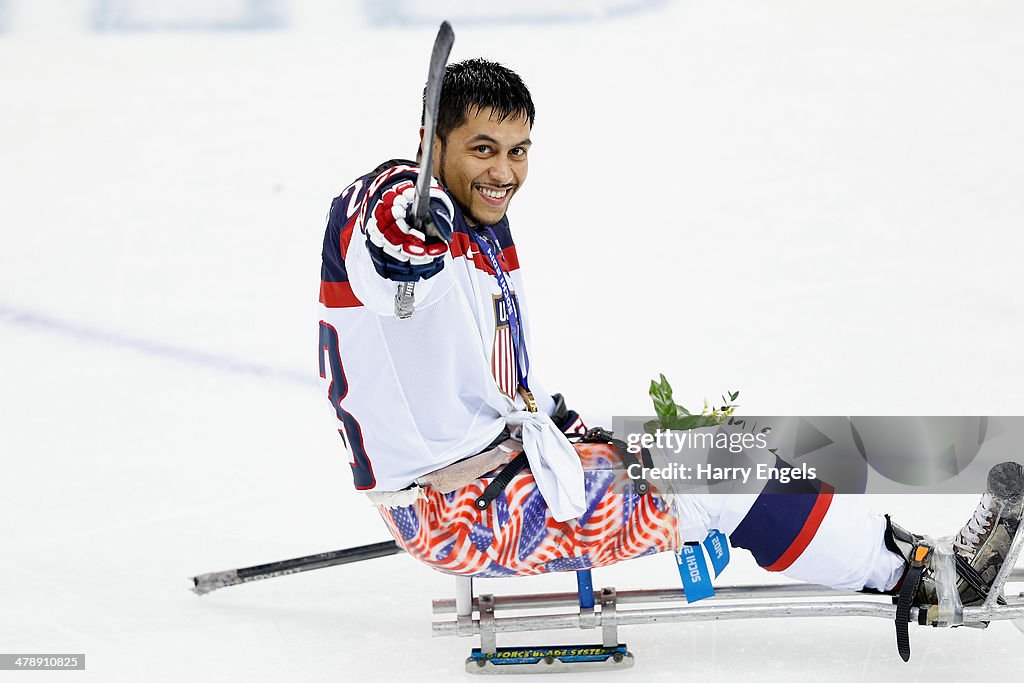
(816, 203)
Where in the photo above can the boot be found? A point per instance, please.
(980, 550)
(980, 547)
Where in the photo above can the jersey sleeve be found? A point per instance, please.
(377, 293)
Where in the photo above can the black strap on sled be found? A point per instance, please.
(600, 435)
(911, 582)
(595, 435)
(501, 480)
(922, 557)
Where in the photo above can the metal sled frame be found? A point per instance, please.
(476, 616)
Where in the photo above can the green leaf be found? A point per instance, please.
(661, 395)
(698, 421)
(665, 384)
(651, 426)
(671, 415)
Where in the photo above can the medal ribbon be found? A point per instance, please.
(511, 307)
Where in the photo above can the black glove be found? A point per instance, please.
(568, 421)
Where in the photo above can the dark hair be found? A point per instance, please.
(480, 84)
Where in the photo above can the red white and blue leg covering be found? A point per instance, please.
(801, 528)
(517, 536)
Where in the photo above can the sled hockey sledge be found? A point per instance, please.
(607, 609)
(485, 615)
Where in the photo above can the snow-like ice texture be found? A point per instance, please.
(817, 203)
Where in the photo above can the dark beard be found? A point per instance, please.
(441, 163)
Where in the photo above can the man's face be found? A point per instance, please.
(483, 163)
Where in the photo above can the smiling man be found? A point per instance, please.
(424, 392)
(464, 452)
(432, 406)
(483, 162)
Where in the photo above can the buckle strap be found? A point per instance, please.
(918, 562)
(501, 480)
(601, 435)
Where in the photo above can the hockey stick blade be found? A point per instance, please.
(432, 102)
(211, 581)
(419, 214)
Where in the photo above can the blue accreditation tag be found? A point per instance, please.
(718, 550)
(693, 571)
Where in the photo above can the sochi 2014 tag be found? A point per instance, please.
(693, 571)
(717, 546)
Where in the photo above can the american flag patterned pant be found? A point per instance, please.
(798, 528)
(516, 535)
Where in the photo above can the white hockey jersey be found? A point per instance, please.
(415, 395)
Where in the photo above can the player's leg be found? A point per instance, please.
(807, 532)
(810, 535)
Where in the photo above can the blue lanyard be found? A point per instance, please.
(518, 342)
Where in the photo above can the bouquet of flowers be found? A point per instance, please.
(671, 415)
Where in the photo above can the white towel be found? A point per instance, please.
(554, 463)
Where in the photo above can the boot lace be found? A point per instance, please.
(976, 526)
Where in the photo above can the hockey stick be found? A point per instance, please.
(404, 306)
(405, 297)
(432, 103)
(206, 583)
